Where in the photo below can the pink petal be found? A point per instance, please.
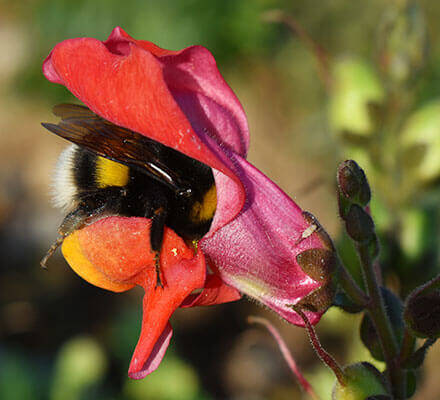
(256, 252)
(155, 357)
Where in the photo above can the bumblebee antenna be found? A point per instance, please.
(51, 251)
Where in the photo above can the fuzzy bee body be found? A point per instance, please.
(110, 170)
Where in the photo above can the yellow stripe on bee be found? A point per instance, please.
(204, 211)
(110, 173)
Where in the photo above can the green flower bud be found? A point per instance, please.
(342, 301)
(361, 381)
(420, 139)
(369, 337)
(359, 224)
(355, 87)
(356, 151)
(352, 183)
(422, 312)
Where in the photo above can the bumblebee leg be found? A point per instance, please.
(92, 205)
(73, 221)
(156, 239)
(51, 250)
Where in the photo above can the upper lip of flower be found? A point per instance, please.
(134, 86)
(181, 100)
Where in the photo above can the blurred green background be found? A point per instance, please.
(372, 93)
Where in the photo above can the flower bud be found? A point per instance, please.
(422, 312)
(402, 42)
(353, 187)
(361, 381)
(344, 302)
(353, 183)
(369, 337)
(359, 224)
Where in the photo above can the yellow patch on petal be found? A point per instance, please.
(251, 288)
(75, 257)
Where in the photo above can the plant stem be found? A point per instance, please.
(377, 312)
(326, 358)
(351, 287)
(286, 354)
(407, 347)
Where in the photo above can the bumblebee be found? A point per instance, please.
(110, 170)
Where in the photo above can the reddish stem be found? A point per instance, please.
(326, 358)
(286, 354)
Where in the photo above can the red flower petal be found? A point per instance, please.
(169, 97)
(215, 291)
(256, 252)
(117, 251)
(141, 368)
(195, 82)
(130, 90)
(159, 304)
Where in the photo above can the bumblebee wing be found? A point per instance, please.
(116, 143)
(75, 112)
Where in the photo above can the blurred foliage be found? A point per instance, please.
(176, 381)
(376, 112)
(81, 363)
(381, 110)
(355, 87)
(171, 24)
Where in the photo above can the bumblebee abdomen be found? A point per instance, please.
(64, 188)
(146, 179)
(97, 185)
(110, 173)
(79, 172)
(204, 210)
